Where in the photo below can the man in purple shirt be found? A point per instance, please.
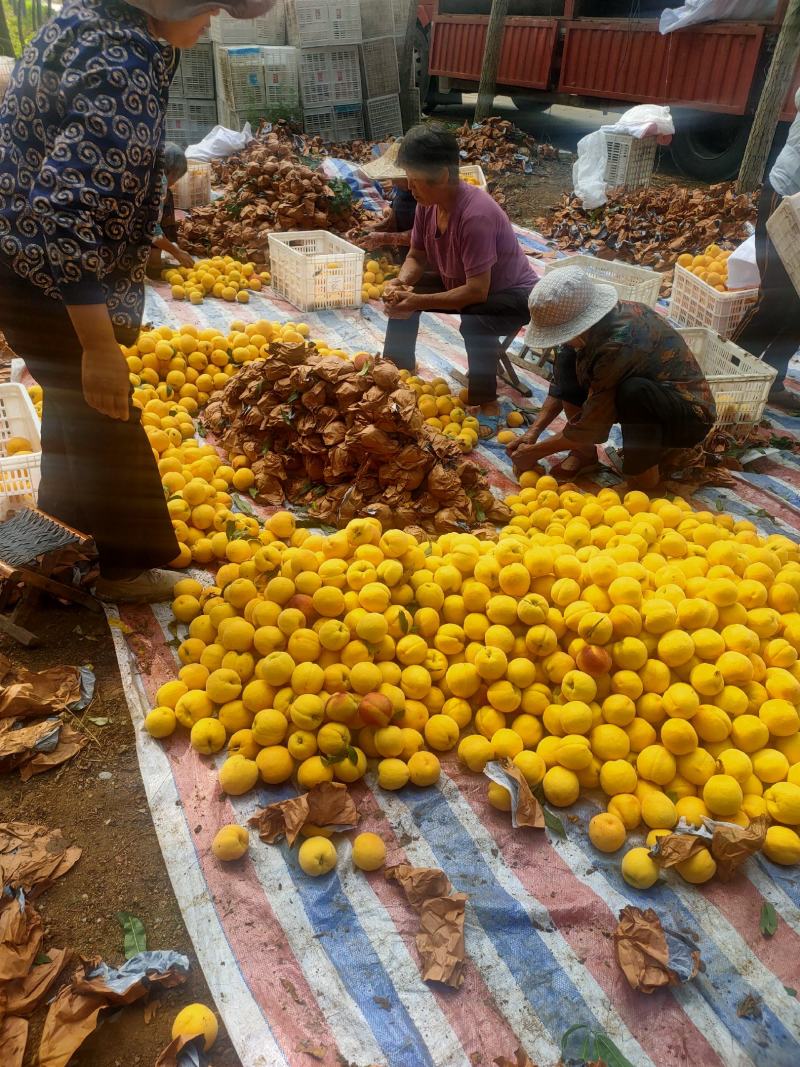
(466, 245)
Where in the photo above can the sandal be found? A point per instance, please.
(573, 466)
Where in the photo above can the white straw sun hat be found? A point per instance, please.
(564, 304)
(386, 168)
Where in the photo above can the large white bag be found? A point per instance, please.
(694, 11)
(220, 143)
(743, 272)
(589, 170)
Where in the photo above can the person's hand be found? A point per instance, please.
(106, 385)
(393, 290)
(185, 259)
(376, 239)
(530, 437)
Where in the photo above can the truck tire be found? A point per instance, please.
(529, 102)
(422, 50)
(710, 148)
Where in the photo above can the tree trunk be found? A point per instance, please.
(779, 81)
(409, 96)
(491, 59)
(6, 47)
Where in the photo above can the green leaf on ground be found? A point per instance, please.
(789, 991)
(41, 959)
(769, 920)
(135, 936)
(552, 822)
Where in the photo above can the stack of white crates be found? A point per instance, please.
(380, 80)
(327, 34)
(192, 108)
(257, 75)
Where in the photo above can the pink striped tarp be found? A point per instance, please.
(308, 971)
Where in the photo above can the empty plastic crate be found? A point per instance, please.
(384, 118)
(379, 74)
(241, 77)
(282, 77)
(630, 160)
(188, 121)
(632, 283)
(330, 76)
(400, 12)
(377, 19)
(783, 227)
(19, 475)
(348, 122)
(740, 382)
(195, 76)
(269, 29)
(694, 303)
(312, 269)
(319, 122)
(323, 22)
(194, 188)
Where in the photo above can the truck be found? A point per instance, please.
(606, 53)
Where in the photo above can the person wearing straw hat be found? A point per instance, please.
(617, 362)
(82, 127)
(394, 229)
(465, 243)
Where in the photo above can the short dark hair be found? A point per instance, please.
(429, 148)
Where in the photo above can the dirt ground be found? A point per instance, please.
(121, 868)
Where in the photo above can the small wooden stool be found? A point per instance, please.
(31, 543)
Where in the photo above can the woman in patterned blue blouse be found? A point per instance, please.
(81, 163)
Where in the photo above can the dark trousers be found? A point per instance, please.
(482, 326)
(773, 330)
(98, 473)
(653, 418)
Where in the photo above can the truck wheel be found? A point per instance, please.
(711, 151)
(421, 70)
(529, 103)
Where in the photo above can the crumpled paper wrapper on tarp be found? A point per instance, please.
(343, 442)
(729, 844)
(75, 1012)
(328, 804)
(440, 939)
(651, 956)
(33, 857)
(521, 1059)
(525, 808)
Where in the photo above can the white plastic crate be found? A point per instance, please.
(400, 12)
(269, 29)
(19, 475)
(348, 122)
(783, 227)
(282, 77)
(195, 76)
(330, 76)
(323, 22)
(379, 73)
(472, 173)
(630, 160)
(377, 19)
(632, 283)
(740, 382)
(241, 76)
(695, 303)
(312, 269)
(384, 118)
(188, 121)
(319, 122)
(194, 188)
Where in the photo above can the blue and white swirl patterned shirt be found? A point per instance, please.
(81, 156)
